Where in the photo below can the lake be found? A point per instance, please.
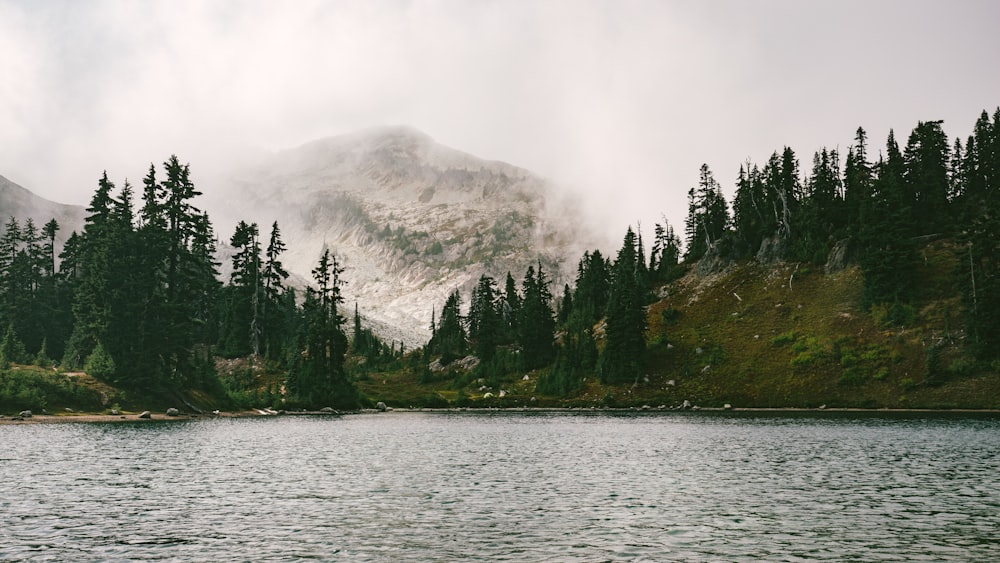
(424, 486)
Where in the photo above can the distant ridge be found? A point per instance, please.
(21, 203)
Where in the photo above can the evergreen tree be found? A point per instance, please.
(665, 257)
(537, 323)
(484, 319)
(510, 311)
(708, 216)
(752, 220)
(565, 308)
(980, 265)
(241, 318)
(91, 303)
(11, 348)
(887, 257)
(624, 352)
(274, 276)
(593, 281)
(858, 182)
(926, 177)
(323, 379)
(449, 338)
(820, 217)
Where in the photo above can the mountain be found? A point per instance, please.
(409, 219)
(22, 204)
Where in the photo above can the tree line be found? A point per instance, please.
(135, 298)
(878, 210)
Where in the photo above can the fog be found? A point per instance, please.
(619, 103)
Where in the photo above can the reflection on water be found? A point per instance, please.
(504, 486)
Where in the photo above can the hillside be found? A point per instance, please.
(782, 335)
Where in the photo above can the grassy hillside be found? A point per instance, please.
(786, 335)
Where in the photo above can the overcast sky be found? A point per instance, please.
(619, 101)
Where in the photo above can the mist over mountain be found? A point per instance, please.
(22, 204)
(410, 219)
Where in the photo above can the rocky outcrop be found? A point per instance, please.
(712, 262)
(772, 249)
(838, 258)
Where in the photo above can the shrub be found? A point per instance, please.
(961, 367)
(670, 315)
(100, 364)
(784, 338)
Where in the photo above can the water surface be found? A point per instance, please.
(505, 486)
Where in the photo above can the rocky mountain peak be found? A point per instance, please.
(411, 219)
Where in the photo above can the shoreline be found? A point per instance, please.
(162, 417)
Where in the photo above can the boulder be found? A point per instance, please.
(145, 414)
(173, 412)
(25, 414)
(686, 404)
(328, 410)
(727, 407)
(381, 407)
(115, 412)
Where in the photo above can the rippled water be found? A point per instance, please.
(504, 486)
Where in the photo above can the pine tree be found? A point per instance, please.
(887, 256)
(537, 323)
(510, 311)
(624, 352)
(449, 338)
(593, 281)
(322, 379)
(820, 218)
(11, 348)
(274, 276)
(858, 183)
(484, 319)
(91, 303)
(752, 220)
(980, 265)
(241, 332)
(663, 263)
(708, 216)
(925, 176)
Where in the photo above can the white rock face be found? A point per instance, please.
(409, 219)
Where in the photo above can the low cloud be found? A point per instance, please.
(619, 102)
